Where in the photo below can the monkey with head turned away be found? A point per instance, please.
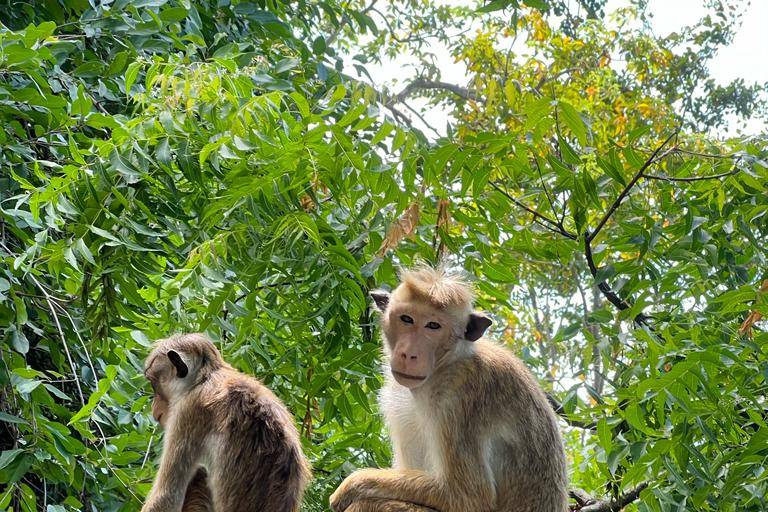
(471, 429)
(230, 445)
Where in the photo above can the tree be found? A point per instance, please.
(168, 166)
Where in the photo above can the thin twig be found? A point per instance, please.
(704, 155)
(628, 187)
(556, 226)
(146, 452)
(82, 343)
(421, 118)
(52, 309)
(544, 185)
(733, 171)
(560, 411)
(345, 20)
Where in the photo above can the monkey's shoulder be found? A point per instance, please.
(244, 403)
(494, 373)
(499, 361)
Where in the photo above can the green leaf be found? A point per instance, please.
(33, 34)
(69, 255)
(318, 45)
(104, 385)
(19, 341)
(130, 76)
(574, 121)
(7, 456)
(8, 418)
(104, 234)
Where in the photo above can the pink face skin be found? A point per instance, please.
(418, 337)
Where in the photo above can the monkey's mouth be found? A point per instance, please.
(406, 376)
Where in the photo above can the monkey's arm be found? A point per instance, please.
(377, 505)
(198, 497)
(466, 483)
(177, 467)
(411, 486)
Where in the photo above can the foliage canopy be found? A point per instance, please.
(214, 166)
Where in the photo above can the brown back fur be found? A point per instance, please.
(243, 434)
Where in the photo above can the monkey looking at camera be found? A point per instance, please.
(471, 428)
(226, 422)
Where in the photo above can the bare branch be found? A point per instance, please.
(422, 119)
(422, 84)
(705, 155)
(612, 297)
(581, 497)
(614, 505)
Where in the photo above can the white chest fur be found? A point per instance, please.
(414, 432)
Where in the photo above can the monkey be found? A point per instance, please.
(226, 422)
(377, 505)
(471, 428)
(198, 496)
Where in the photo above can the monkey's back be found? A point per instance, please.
(263, 468)
(531, 458)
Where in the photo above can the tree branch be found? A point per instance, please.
(581, 497)
(344, 21)
(546, 189)
(605, 289)
(588, 504)
(624, 193)
(554, 225)
(733, 171)
(422, 84)
(558, 408)
(421, 118)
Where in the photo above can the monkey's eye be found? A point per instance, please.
(406, 319)
(432, 325)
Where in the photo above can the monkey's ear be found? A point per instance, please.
(381, 299)
(476, 326)
(181, 367)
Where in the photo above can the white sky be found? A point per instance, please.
(746, 57)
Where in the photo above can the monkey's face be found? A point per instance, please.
(159, 409)
(164, 369)
(419, 336)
